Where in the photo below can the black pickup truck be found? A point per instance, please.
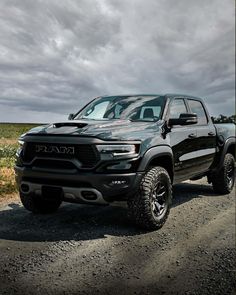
(125, 148)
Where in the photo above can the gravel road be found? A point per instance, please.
(96, 250)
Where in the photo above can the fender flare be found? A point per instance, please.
(230, 141)
(154, 153)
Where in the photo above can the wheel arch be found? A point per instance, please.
(158, 156)
(229, 147)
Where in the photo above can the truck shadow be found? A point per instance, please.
(81, 222)
(185, 192)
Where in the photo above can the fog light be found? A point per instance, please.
(25, 188)
(88, 195)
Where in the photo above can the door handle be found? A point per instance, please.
(211, 133)
(192, 135)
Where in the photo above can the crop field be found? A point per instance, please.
(9, 134)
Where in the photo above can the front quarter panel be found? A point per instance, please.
(154, 153)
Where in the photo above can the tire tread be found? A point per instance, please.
(219, 179)
(139, 204)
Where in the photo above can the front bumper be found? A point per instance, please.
(107, 187)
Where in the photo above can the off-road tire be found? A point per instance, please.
(37, 204)
(220, 180)
(140, 204)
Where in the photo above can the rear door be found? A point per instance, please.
(205, 145)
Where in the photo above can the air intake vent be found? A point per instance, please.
(70, 124)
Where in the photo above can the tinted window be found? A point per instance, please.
(197, 108)
(177, 107)
(150, 111)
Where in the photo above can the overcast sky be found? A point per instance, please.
(55, 55)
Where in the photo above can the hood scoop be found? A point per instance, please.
(69, 124)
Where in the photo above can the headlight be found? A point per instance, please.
(21, 143)
(21, 146)
(118, 150)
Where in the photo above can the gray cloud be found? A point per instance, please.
(57, 55)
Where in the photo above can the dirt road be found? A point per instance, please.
(95, 250)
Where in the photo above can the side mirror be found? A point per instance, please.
(184, 119)
(71, 117)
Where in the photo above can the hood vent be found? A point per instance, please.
(69, 124)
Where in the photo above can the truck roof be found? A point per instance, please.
(170, 95)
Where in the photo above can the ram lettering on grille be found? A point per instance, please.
(54, 149)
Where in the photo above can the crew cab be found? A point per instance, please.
(129, 148)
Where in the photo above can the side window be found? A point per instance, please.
(197, 108)
(150, 112)
(177, 107)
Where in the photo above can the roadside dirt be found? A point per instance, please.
(8, 141)
(96, 250)
(8, 199)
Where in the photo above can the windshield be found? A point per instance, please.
(135, 108)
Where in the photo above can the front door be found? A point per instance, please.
(183, 140)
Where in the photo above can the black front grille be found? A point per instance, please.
(86, 154)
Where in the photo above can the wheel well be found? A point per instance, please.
(165, 162)
(231, 150)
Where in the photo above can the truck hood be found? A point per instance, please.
(105, 130)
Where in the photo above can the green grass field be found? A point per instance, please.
(9, 134)
(14, 130)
